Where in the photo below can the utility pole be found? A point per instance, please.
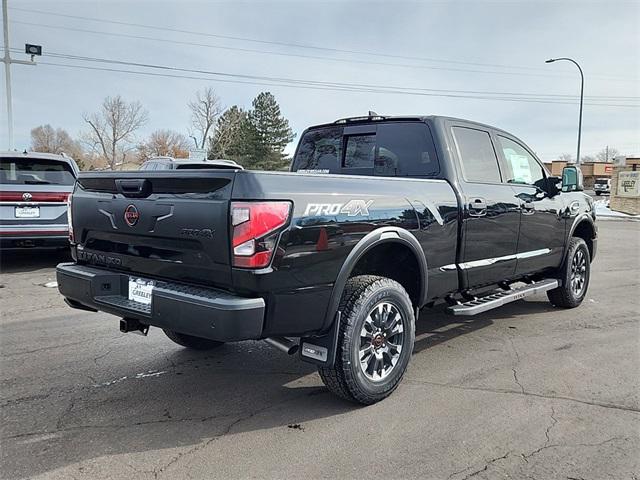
(7, 60)
(606, 155)
(551, 60)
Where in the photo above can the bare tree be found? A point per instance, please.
(205, 110)
(566, 157)
(45, 138)
(164, 143)
(228, 135)
(113, 127)
(607, 154)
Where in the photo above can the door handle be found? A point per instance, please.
(528, 208)
(477, 207)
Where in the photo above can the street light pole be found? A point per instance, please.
(551, 60)
(7, 60)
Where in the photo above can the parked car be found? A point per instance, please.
(602, 185)
(34, 188)
(379, 218)
(170, 163)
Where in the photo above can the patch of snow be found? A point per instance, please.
(602, 210)
(150, 373)
(51, 284)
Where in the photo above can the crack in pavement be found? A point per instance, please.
(116, 426)
(158, 471)
(487, 465)
(28, 398)
(515, 377)
(517, 362)
(554, 422)
(51, 347)
(571, 445)
(593, 403)
(99, 357)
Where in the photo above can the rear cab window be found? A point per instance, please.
(319, 151)
(389, 149)
(35, 171)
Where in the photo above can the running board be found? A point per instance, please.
(495, 300)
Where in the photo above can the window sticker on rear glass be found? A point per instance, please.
(322, 170)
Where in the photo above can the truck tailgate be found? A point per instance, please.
(158, 224)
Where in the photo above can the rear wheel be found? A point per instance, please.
(598, 193)
(189, 341)
(376, 336)
(574, 274)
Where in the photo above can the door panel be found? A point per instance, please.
(490, 237)
(542, 226)
(491, 213)
(542, 230)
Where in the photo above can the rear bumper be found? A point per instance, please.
(16, 236)
(202, 312)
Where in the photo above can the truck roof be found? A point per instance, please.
(40, 155)
(400, 118)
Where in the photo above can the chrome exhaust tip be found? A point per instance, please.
(283, 344)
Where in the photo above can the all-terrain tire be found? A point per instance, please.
(189, 341)
(363, 294)
(565, 295)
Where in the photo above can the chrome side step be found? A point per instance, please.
(495, 300)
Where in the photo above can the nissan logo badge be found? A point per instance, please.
(131, 215)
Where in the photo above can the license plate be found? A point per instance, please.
(27, 212)
(140, 290)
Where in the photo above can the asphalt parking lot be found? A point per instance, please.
(526, 391)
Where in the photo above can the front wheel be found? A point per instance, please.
(189, 341)
(574, 274)
(376, 336)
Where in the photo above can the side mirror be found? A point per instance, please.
(553, 186)
(572, 179)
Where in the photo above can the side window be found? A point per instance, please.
(319, 150)
(478, 159)
(405, 149)
(360, 151)
(520, 166)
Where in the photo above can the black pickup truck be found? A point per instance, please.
(378, 218)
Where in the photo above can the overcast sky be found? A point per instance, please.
(455, 46)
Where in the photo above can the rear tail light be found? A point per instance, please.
(34, 197)
(70, 218)
(256, 226)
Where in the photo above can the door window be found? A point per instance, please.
(521, 167)
(477, 156)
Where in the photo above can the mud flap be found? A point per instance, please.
(321, 350)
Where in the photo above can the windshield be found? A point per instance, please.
(32, 171)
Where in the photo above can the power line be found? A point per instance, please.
(272, 42)
(314, 57)
(345, 88)
(551, 98)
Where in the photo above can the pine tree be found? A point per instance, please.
(255, 139)
(273, 130)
